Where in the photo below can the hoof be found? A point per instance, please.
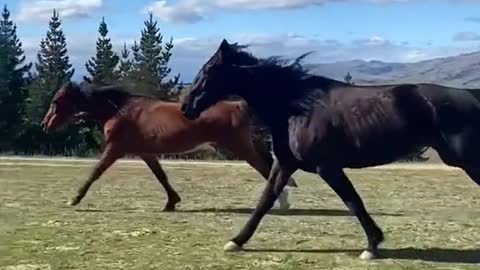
(73, 202)
(367, 255)
(232, 247)
(169, 208)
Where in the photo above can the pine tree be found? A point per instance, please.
(13, 81)
(151, 58)
(134, 77)
(125, 65)
(136, 55)
(102, 67)
(53, 68)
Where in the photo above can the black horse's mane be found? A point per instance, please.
(291, 80)
(243, 56)
(292, 69)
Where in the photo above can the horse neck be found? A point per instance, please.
(271, 98)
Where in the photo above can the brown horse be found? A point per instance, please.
(147, 127)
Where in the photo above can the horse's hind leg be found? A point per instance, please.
(474, 174)
(343, 187)
(461, 151)
(154, 165)
(109, 156)
(243, 147)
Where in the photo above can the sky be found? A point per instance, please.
(336, 30)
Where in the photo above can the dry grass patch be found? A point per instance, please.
(430, 218)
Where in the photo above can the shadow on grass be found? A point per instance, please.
(278, 212)
(86, 210)
(439, 255)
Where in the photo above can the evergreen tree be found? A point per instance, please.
(136, 56)
(125, 65)
(53, 68)
(102, 67)
(151, 58)
(13, 81)
(134, 76)
(348, 78)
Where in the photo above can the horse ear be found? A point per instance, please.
(224, 46)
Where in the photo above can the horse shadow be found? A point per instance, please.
(280, 212)
(437, 255)
(246, 211)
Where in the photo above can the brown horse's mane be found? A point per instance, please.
(111, 94)
(107, 90)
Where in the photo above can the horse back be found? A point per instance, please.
(150, 125)
(360, 126)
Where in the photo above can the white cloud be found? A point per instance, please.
(81, 48)
(185, 12)
(190, 53)
(190, 11)
(41, 10)
(466, 36)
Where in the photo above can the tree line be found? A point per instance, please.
(26, 89)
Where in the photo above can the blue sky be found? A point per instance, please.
(337, 30)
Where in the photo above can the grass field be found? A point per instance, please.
(431, 219)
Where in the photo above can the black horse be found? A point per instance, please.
(323, 126)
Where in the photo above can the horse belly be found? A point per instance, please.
(177, 144)
(384, 150)
(163, 142)
(184, 148)
(339, 150)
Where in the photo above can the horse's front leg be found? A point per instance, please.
(279, 177)
(108, 157)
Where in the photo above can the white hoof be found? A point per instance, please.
(71, 202)
(367, 256)
(232, 247)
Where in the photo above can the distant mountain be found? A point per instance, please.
(457, 71)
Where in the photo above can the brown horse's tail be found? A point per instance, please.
(260, 136)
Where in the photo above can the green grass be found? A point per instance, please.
(431, 220)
